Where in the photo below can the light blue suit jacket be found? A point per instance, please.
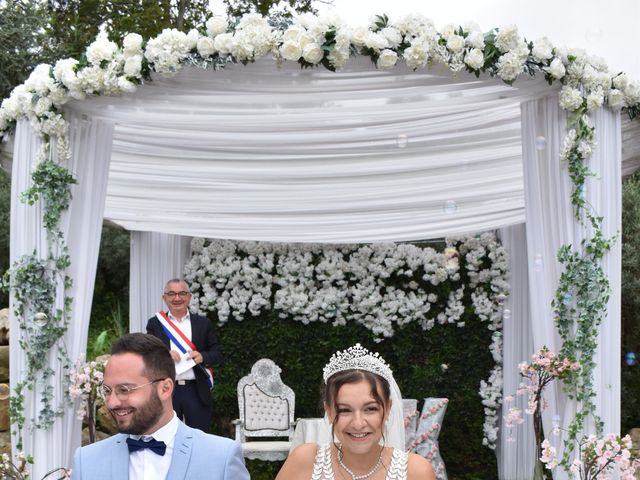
(196, 455)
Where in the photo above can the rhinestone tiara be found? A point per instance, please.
(357, 358)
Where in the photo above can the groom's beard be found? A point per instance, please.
(142, 418)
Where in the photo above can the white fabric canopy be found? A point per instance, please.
(283, 154)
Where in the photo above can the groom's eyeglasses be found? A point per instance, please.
(121, 391)
(177, 294)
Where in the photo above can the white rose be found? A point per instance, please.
(192, 39)
(392, 35)
(64, 71)
(205, 46)
(416, 55)
(216, 26)
(476, 40)
(291, 50)
(132, 44)
(358, 35)
(376, 41)
(455, 43)
(133, 66)
(387, 59)
(294, 32)
(312, 53)
(615, 99)
(556, 69)
(474, 59)
(100, 50)
(570, 98)
(507, 38)
(620, 81)
(223, 43)
(542, 49)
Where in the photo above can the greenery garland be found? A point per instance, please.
(34, 282)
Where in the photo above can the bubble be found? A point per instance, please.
(567, 298)
(541, 142)
(450, 207)
(555, 421)
(537, 263)
(40, 319)
(506, 314)
(630, 359)
(402, 140)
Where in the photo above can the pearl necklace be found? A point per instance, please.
(360, 477)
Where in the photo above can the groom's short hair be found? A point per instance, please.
(155, 354)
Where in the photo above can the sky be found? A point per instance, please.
(603, 28)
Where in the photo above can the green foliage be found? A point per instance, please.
(266, 8)
(21, 25)
(74, 24)
(416, 357)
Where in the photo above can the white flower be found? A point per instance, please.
(570, 98)
(474, 58)
(615, 99)
(507, 38)
(376, 41)
(223, 43)
(64, 72)
(556, 69)
(595, 99)
(475, 40)
(40, 80)
(358, 36)
(393, 36)
(132, 44)
(510, 65)
(101, 50)
(133, 66)
(455, 43)
(216, 26)
(542, 49)
(125, 85)
(417, 55)
(291, 50)
(205, 46)
(387, 59)
(312, 53)
(294, 32)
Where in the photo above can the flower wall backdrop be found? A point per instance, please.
(379, 286)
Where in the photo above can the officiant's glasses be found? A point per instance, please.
(122, 391)
(177, 294)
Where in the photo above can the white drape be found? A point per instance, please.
(516, 451)
(155, 258)
(550, 224)
(283, 154)
(91, 149)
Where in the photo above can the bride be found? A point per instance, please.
(363, 410)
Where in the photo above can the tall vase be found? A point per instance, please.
(540, 471)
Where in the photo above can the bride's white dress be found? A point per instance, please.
(322, 469)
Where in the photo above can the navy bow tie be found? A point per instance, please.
(155, 446)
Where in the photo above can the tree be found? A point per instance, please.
(279, 8)
(22, 24)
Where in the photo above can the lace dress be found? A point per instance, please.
(322, 469)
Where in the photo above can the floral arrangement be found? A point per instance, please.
(17, 470)
(86, 378)
(381, 286)
(597, 458)
(545, 367)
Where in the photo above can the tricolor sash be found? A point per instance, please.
(180, 340)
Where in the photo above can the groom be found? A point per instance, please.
(152, 444)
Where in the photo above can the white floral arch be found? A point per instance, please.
(272, 152)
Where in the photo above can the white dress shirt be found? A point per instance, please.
(184, 324)
(144, 464)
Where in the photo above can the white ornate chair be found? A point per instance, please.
(266, 407)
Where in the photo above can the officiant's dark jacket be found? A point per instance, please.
(204, 337)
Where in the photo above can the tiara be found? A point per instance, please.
(357, 358)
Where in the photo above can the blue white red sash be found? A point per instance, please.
(180, 340)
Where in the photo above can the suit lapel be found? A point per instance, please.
(182, 449)
(120, 459)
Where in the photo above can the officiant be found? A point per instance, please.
(195, 350)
